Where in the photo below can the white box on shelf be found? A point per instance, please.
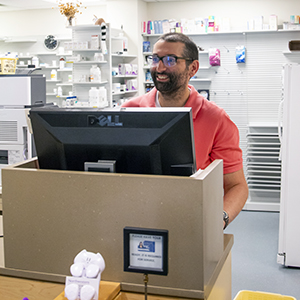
(273, 22)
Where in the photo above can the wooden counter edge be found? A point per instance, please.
(107, 291)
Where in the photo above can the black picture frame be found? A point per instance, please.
(150, 257)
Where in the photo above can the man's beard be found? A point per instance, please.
(175, 82)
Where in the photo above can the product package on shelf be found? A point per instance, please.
(240, 54)
(146, 46)
(128, 69)
(214, 57)
(131, 84)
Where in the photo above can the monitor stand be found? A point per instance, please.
(108, 166)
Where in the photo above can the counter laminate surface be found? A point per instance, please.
(12, 288)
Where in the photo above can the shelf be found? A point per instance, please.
(262, 164)
(124, 55)
(20, 41)
(253, 168)
(225, 32)
(125, 76)
(65, 70)
(53, 81)
(264, 181)
(294, 52)
(200, 79)
(275, 152)
(124, 93)
(90, 83)
(46, 53)
(65, 84)
(86, 50)
(89, 62)
(51, 94)
(49, 67)
(85, 27)
(64, 54)
(63, 96)
(257, 134)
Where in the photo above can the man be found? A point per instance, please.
(173, 63)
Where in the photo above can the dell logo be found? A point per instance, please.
(105, 121)
(109, 121)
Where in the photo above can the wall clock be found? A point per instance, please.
(51, 42)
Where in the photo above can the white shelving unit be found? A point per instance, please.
(263, 168)
(116, 59)
(27, 48)
(81, 69)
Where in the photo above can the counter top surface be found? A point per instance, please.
(13, 288)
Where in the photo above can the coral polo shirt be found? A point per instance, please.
(216, 136)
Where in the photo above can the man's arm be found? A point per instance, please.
(235, 193)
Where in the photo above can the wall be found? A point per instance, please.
(44, 21)
(239, 11)
(130, 12)
(116, 12)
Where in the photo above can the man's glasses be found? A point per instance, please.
(168, 60)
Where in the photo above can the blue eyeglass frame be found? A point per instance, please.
(165, 59)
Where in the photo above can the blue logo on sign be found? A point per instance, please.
(146, 246)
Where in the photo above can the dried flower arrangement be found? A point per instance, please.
(69, 9)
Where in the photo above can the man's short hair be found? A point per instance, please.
(190, 48)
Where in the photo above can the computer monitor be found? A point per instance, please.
(124, 140)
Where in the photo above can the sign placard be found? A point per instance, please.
(146, 250)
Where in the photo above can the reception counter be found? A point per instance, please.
(49, 216)
(14, 288)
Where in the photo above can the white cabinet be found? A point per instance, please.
(83, 58)
(263, 168)
(49, 62)
(112, 58)
(124, 85)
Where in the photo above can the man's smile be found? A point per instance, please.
(162, 77)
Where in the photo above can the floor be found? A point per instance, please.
(254, 252)
(254, 255)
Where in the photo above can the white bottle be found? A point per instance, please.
(62, 63)
(95, 74)
(94, 97)
(53, 75)
(125, 40)
(125, 44)
(102, 97)
(59, 91)
(35, 61)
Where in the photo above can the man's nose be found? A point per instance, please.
(160, 67)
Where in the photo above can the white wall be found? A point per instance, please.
(130, 13)
(239, 11)
(44, 21)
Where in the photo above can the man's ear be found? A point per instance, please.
(194, 67)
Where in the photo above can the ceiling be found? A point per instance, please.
(10, 5)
